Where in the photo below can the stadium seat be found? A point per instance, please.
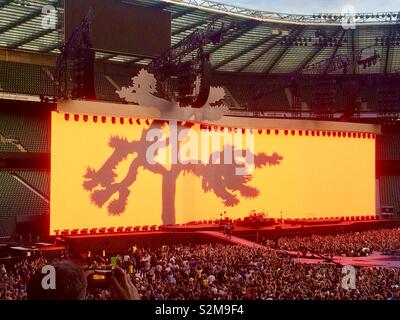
(93, 231)
(84, 231)
(120, 229)
(136, 229)
(111, 230)
(128, 229)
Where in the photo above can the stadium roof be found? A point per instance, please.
(273, 43)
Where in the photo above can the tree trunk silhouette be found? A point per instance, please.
(168, 195)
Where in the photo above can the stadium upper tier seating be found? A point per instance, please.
(26, 78)
(253, 93)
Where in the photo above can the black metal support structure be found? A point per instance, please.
(75, 64)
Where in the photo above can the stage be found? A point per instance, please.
(208, 233)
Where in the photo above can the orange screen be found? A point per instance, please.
(101, 175)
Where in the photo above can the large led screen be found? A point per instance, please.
(111, 172)
(120, 27)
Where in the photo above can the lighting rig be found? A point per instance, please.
(341, 62)
(324, 87)
(392, 41)
(369, 61)
(75, 64)
(393, 38)
(188, 62)
(321, 39)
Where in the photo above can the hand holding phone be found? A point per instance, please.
(122, 286)
(99, 278)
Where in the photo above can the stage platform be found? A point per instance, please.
(208, 233)
(292, 230)
(375, 260)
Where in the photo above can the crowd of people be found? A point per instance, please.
(348, 244)
(220, 272)
(15, 277)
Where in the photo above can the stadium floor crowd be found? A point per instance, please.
(226, 272)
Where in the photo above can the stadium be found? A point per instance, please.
(195, 150)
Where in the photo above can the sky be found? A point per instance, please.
(316, 6)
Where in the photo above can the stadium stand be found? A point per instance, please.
(250, 92)
(104, 89)
(388, 146)
(26, 78)
(40, 180)
(32, 132)
(266, 62)
(17, 199)
(6, 146)
(389, 194)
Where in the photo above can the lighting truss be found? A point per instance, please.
(310, 19)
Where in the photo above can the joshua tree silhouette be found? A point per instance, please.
(224, 184)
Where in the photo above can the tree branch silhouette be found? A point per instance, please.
(223, 182)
